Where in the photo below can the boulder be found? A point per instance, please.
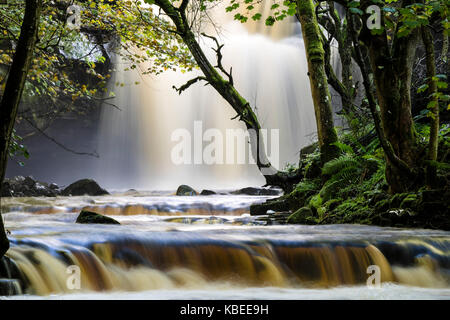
(303, 215)
(207, 192)
(185, 190)
(84, 187)
(20, 186)
(251, 191)
(262, 208)
(93, 217)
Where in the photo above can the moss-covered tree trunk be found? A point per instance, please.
(13, 90)
(315, 55)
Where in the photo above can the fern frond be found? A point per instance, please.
(338, 164)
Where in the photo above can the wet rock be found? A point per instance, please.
(10, 287)
(251, 191)
(28, 187)
(207, 192)
(29, 182)
(262, 208)
(84, 187)
(53, 186)
(185, 190)
(93, 217)
(9, 269)
(301, 216)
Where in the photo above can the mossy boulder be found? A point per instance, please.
(84, 187)
(93, 217)
(303, 215)
(185, 190)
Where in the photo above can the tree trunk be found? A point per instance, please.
(427, 39)
(391, 63)
(315, 55)
(392, 75)
(14, 88)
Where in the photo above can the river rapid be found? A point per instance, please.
(209, 247)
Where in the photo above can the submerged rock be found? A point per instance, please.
(185, 190)
(93, 217)
(251, 191)
(84, 187)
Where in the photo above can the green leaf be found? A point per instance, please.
(422, 88)
(270, 21)
(256, 16)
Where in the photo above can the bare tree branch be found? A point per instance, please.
(189, 83)
(218, 52)
(92, 154)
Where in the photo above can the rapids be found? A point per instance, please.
(209, 247)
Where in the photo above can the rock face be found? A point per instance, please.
(84, 187)
(251, 191)
(92, 217)
(28, 187)
(185, 190)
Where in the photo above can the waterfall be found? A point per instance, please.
(269, 70)
(174, 263)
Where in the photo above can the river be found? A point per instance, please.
(209, 247)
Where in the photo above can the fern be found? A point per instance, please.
(345, 148)
(338, 164)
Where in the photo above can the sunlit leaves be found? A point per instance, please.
(279, 10)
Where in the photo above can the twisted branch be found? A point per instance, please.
(218, 52)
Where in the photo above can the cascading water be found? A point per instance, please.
(223, 256)
(269, 70)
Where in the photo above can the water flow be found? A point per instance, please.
(269, 70)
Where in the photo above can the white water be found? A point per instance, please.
(269, 70)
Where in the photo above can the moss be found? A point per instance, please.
(410, 201)
(332, 204)
(303, 215)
